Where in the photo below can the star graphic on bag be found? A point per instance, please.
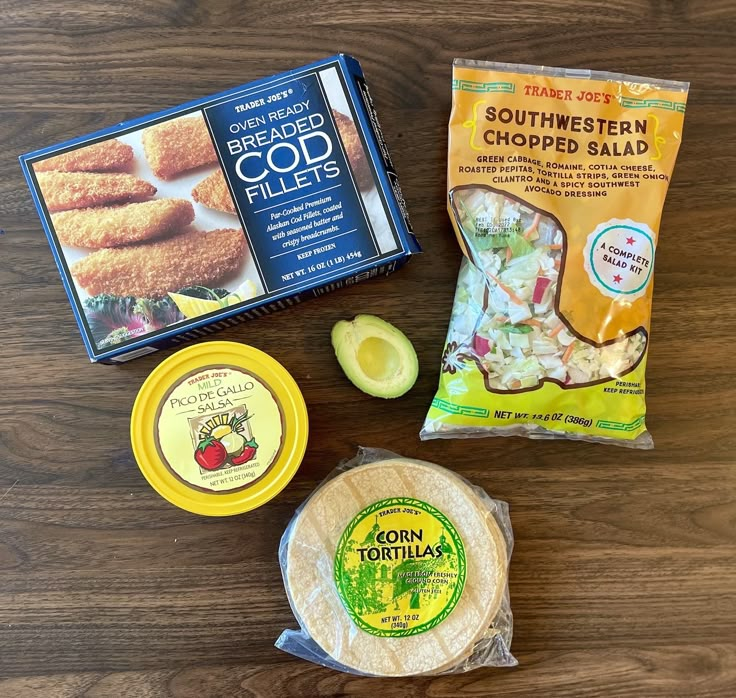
(617, 278)
(629, 241)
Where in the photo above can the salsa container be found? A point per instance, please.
(219, 428)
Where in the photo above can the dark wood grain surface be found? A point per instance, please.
(623, 579)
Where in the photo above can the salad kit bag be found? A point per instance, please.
(556, 181)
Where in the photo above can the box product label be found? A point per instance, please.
(287, 168)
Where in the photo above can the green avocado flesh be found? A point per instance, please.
(377, 357)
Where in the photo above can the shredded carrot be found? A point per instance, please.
(516, 383)
(508, 255)
(568, 353)
(556, 330)
(501, 318)
(533, 226)
(514, 298)
(533, 322)
(555, 247)
(557, 264)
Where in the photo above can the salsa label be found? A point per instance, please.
(219, 429)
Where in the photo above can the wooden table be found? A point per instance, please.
(623, 578)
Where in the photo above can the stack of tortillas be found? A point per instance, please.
(312, 577)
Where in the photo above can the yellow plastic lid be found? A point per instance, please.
(219, 428)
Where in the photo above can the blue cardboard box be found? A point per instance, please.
(174, 225)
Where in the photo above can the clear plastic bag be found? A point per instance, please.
(425, 591)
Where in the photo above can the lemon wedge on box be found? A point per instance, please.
(244, 292)
(192, 307)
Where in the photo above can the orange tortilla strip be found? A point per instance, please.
(121, 225)
(106, 156)
(151, 270)
(354, 150)
(212, 192)
(67, 190)
(177, 146)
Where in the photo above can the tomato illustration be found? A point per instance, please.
(248, 452)
(210, 453)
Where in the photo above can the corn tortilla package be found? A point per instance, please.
(398, 567)
(556, 181)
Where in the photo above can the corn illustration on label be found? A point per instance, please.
(556, 182)
(219, 429)
(399, 567)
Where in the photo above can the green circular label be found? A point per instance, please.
(399, 567)
(619, 258)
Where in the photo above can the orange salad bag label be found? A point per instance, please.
(556, 181)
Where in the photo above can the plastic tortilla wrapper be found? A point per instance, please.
(398, 567)
(556, 181)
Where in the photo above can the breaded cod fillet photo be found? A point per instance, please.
(176, 146)
(354, 150)
(146, 214)
(153, 269)
(68, 190)
(121, 225)
(213, 193)
(106, 156)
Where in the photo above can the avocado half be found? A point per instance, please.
(377, 357)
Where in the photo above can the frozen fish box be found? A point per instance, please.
(171, 226)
